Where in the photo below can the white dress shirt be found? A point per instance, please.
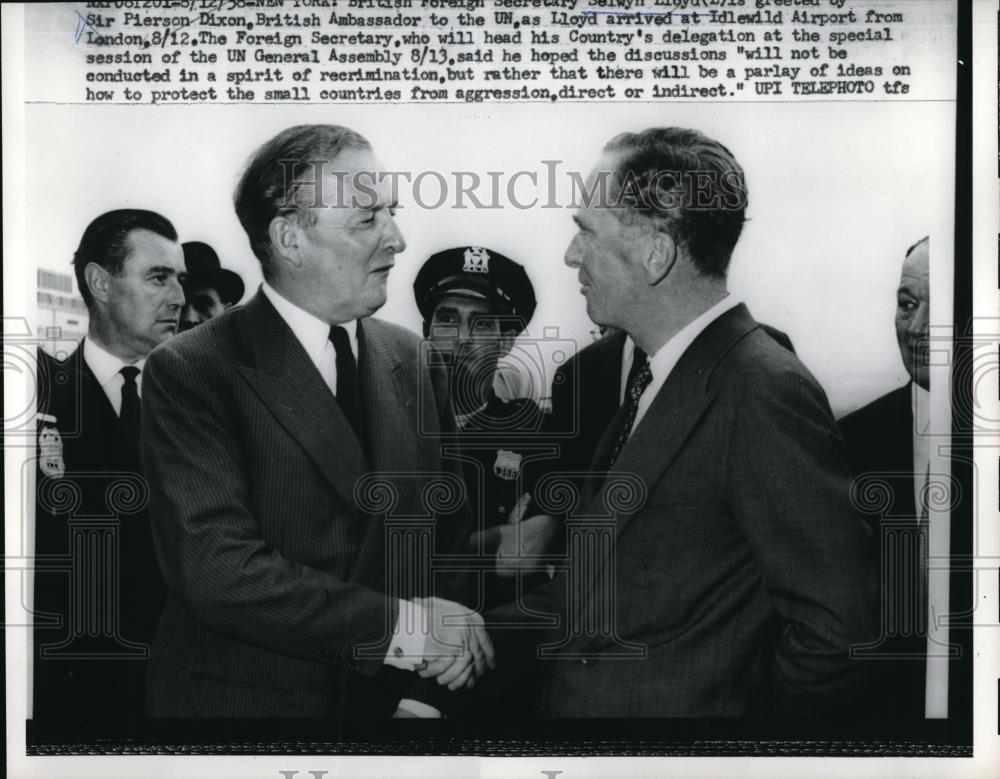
(107, 370)
(662, 364)
(406, 650)
(628, 354)
(314, 335)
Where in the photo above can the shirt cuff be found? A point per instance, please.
(421, 710)
(406, 650)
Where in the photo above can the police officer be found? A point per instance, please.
(474, 303)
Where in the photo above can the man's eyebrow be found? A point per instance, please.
(170, 271)
(369, 205)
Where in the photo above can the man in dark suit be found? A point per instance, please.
(586, 397)
(98, 591)
(716, 567)
(475, 302)
(283, 440)
(889, 453)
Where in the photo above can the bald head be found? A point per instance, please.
(913, 312)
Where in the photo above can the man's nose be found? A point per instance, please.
(394, 236)
(920, 321)
(175, 293)
(189, 317)
(572, 256)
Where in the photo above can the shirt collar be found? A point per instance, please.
(312, 332)
(104, 365)
(667, 356)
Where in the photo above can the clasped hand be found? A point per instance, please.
(457, 649)
(519, 542)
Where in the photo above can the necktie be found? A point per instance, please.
(639, 377)
(129, 419)
(347, 380)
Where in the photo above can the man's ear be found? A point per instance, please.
(98, 280)
(661, 258)
(284, 233)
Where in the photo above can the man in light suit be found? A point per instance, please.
(98, 590)
(281, 436)
(887, 444)
(716, 566)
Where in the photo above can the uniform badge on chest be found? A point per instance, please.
(50, 452)
(507, 465)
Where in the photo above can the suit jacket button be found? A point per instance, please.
(583, 660)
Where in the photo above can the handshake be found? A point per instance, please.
(457, 649)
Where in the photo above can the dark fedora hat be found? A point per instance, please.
(204, 269)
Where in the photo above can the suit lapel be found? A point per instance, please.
(287, 382)
(678, 406)
(607, 441)
(387, 406)
(674, 413)
(902, 455)
(661, 433)
(654, 443)
(606, 370)
(903, 401)
(389, 415)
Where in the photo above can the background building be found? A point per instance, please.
(61, 318)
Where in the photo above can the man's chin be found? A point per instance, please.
(373, 302)
(598, 318)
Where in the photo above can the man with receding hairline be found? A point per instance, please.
(738, 576)
(263, 424)
(887, 443)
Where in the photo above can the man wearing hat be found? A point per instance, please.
(209, 289)
(475, 302)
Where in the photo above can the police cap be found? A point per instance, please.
(475, 272)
